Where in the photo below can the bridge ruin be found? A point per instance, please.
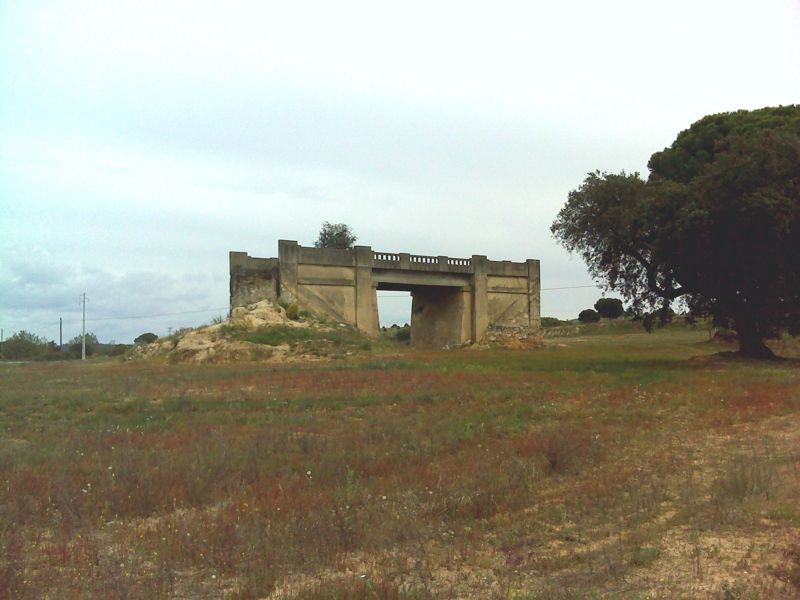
(455, 301)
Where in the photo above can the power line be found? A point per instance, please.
(204, 310)
(172, 314)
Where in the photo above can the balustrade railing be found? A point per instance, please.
(419, 260)
(459, 262)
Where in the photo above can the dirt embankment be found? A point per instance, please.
(221, 342)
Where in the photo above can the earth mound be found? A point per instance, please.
(260, 331)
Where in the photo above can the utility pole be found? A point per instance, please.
(1, 343)
(60, 335)
(83, 329)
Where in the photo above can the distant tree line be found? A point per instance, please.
(24, 345)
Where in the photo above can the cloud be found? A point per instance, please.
(140, 142)
(41, 288)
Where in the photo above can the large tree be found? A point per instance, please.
(716, 225)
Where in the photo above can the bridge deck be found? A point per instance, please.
(389, 279)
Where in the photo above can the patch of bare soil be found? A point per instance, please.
(693, 558)
(214, 343)
(730, 561)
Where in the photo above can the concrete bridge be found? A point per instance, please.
(455, 301)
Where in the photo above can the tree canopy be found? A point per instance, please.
(716, 225)
(76, 343)
(23, 345)
(335, 235)
(588, 316)
(609, 308)
(146, 338)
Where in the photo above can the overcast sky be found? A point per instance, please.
(141, 141)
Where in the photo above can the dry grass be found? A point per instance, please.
(610, 466)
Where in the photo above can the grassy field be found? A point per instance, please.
(621, 465)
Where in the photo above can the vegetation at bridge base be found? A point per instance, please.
(716, 226)
(617, 465)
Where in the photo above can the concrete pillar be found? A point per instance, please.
(366, 296)
(288, 255)
(480, 298)
(534, 294)
(236, 261)
(436, 317)
(442, 262)
(405, 260)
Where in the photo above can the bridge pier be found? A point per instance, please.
(365, 292)
(441, 317)
(480, 298)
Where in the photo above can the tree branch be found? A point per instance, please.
(667, 292)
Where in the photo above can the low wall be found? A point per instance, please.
(252, 279)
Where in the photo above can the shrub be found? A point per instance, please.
(118, 350)
(588, 316)
(76, 344)
(23, 345)
(403, 334)
(292, 311)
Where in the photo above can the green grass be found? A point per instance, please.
(280, 334)
(321, 341)
(592, 467)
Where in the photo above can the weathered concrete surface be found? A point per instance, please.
(441, 317)
(252, 279)
(455, 300)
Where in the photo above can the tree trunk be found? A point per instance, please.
(751, 344)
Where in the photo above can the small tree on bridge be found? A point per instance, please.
(335, 235)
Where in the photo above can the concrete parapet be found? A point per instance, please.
(366, 299)
(534, 294)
